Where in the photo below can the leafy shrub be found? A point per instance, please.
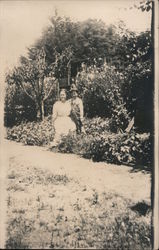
(137, 92)
(68, 143)
(119, 119)
(129, 149)
(97, 143)
(77, 144)
(100, 89)
(32, 133)
(80, 144)
(96, 125)
(18, 106)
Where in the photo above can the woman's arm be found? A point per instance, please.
(54, 112)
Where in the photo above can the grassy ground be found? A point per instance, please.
(50, 208)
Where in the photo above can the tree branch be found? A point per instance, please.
(21, 84)
(45, 98)
(34, 89)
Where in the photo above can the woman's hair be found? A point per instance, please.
(64, 91)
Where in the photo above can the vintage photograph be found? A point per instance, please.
(77, 158)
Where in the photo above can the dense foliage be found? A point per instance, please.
(128, 149)
(18, 106)
(97, 143)
(113, 70)
(100, 88)
(32, 133)
(92, 40)
(35, 78)
(137, 92)
(89, 40)
(65, 45)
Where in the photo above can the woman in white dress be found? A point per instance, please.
(61, 120)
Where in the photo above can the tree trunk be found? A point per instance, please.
(40, 110)
(58, 91)
(69, 73)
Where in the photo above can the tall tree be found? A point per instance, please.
(89, 40)
(34, 78)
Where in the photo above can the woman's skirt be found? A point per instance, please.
(62, 126)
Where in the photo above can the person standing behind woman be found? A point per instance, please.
(61, 120)
(76, 109)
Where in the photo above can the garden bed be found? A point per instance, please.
(97, 143)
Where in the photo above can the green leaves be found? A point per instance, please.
(100, 88)
(66, 44)
(129, 149)
(99, 144)
(32, 133)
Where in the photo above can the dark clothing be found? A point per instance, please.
(76, 110)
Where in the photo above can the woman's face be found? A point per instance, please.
(62, 96)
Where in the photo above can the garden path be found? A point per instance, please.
(100, 176)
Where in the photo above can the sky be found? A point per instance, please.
(22, 22)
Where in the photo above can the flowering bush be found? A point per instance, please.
(100, 90)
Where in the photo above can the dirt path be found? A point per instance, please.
(100, 176)
(63, 201)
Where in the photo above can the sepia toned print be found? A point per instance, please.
(79, 115)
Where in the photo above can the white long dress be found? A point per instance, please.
(63, 123)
